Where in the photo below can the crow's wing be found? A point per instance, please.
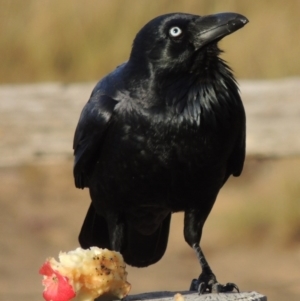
(93, 123)
(236, 160)
(238, 156)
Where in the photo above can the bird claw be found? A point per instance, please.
(221, 288)
(209, 284)
(194, 285)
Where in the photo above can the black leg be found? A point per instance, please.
(207, 281)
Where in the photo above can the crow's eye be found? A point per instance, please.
(175, 32)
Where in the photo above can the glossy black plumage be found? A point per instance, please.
(161, 134)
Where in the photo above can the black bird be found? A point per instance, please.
(161, 134)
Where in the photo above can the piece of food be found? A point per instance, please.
(178, 297)
(84, 275)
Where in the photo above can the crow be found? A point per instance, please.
(161, 134)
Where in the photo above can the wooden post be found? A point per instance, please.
(191, 296)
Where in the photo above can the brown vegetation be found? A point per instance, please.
(82, 40)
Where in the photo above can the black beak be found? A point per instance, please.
(215, 27)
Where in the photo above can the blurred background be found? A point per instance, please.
(252, 236)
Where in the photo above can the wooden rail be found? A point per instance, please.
(37, 121)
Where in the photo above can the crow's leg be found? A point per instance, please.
(207, 281)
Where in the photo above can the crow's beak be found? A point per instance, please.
(214, 27)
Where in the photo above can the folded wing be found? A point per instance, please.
(89, 135)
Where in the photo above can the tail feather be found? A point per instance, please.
(94, 231)
(143, 250)
(139, 250)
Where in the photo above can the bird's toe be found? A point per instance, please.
(207, 283)
(224, 288)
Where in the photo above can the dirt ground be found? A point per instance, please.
(41, 214)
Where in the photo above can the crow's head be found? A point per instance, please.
(175, 41)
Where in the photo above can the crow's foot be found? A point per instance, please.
(207, 283)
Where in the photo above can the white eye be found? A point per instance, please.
(175, 32)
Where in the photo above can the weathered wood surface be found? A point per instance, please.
(188, 296)
(37, 121)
